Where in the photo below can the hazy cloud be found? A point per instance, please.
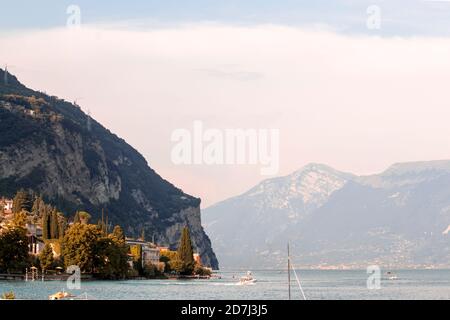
(358, 103)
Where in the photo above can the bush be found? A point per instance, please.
(201, 271)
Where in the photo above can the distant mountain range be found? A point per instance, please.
(399, 218)
(50, 146)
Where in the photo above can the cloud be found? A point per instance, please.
(233, 74)
(358, 103)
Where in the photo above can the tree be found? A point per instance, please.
(21, 202)
(20, 219)
(62, 225)
(54, 225)
(38, 206)
(136, 252)
(13, 250)
(46, 217)
(170, 259)
(46, 257)
(201, 271)
(118, 234)
(79, 245)
(84, 217)
(185, 253)
(111, 258)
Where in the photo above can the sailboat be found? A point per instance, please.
(289, 267)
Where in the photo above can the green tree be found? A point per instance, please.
(136, 252)
(38, 206)
(201, 271)
(170, 259)
(14, 250)
(185, 253)
(21, 202)
(46, 225)
(111, 258)
(79, 245)
(62, 225)
(46, 257)
(54, 225)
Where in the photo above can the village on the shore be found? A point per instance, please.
(38, 241)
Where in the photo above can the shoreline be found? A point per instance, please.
(91, 277)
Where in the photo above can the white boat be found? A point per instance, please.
(247, 279)
(391, 276)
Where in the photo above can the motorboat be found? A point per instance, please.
(391, 276)
(247, 279)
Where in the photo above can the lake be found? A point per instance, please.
(317, 284)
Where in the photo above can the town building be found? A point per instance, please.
(35, 242)
(35, 245)
(6, 206)
(149, 251)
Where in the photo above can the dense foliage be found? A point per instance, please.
(86, 246)
(13, 250)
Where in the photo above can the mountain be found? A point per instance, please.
(50, 146)
(398, 218)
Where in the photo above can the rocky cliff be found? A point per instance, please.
(52, 147)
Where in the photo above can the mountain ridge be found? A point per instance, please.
(366, 217)
(52, 147)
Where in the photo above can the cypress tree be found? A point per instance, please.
(185, 252)
(36, 205)
(54, 233)
(62, 225)
(21, 202)
(46, 257)
(45, 225)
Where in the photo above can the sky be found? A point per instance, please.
(340, 93)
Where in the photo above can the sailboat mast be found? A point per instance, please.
(289, 272)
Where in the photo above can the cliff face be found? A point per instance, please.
(52, 147)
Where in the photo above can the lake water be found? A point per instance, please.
(317, 284)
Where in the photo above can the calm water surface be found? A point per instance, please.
(317, 284)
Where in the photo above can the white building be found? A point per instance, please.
(150, 252)
(150, 255)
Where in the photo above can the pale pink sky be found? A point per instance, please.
(357, 103)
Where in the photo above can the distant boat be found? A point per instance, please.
(247, 279)
(391, 276)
